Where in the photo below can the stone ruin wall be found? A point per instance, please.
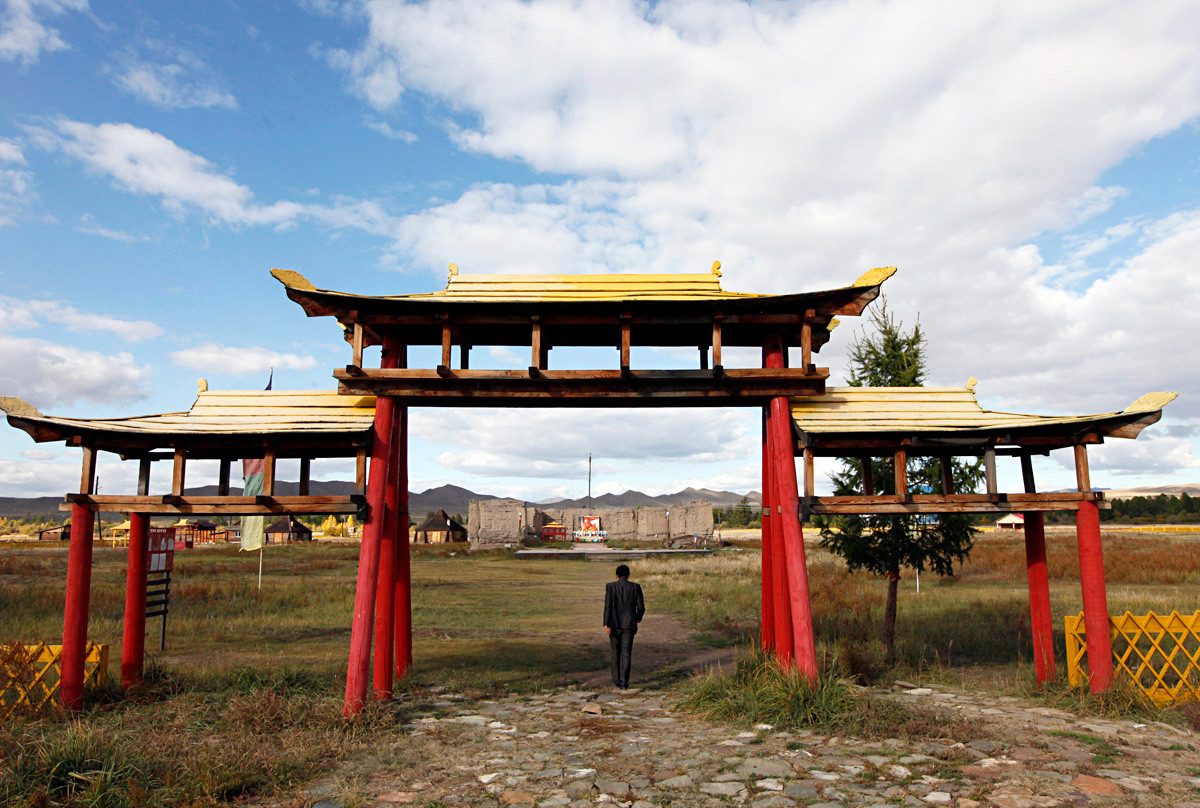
(494, 522)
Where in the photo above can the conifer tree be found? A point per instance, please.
(890, 356)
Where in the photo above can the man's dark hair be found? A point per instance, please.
(622, 571)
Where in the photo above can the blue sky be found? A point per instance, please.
(1033, 170)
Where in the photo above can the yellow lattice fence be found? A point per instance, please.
(30, 675)
(1161, 655)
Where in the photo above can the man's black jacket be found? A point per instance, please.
(623, 605)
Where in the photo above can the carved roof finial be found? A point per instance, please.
(202, 384)
(716, 268)
(971, 382)
(453, 270)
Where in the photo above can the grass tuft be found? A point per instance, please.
(760, 691)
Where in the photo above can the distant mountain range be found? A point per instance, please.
(454, 499)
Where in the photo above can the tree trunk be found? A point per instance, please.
(889, 616)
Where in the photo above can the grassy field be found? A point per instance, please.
(248, 691)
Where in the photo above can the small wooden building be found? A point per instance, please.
(286, 530)
(1012, 521)
(55, 533)
(439, 529)
(553, 531)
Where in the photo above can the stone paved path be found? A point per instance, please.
(578, 748)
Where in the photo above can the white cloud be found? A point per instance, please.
(88, 224)
(385, 129)
(145, 162)
(15, 182)
(47, 373)
(556, 443)
(211, 357)
(24, 36)
(22, 315)
(172, 78)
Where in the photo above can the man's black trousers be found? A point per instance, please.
(622, 656)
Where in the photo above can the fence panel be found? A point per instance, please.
(1160, 654)
(30, 675)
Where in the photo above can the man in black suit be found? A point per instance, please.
(623, 610)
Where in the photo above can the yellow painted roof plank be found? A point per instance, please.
(568, 287)
(919, 409)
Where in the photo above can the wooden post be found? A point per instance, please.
(133, 637)
(989, 470)
(535, 342)
(810, 474)
(806, 339)
(946, 465)
(718, 363)
(868, 475)
(446, 343)
(222, 477)
(767, 627)
(1040, 619)
(1095, 598)
(269, 458)
(1083, 475)
(362, 628)
(356, 341)
(385, 596)
(464, 356)
(79, 590)
(625, 341)
(784, 463)
(704, 357)
(900, 470)
(305, 475)
(178, 472)
(360, 471)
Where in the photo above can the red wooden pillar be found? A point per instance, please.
(784, 639)
(1041, 622)
(1095, 598)
(403, 578)
(79, 591)
(385, 600)
(75, 615)
(783, 461)
(133, 638)
(767, 629)
(363, 626)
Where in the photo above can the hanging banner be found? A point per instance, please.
(252, 486)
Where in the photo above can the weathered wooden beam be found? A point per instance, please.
(956, 503)
(1027, 474)
(626, 338)
(535, 342)
(716, 342)
(1083, 475)
(809, 474)
(268, 472)
(230, 506)
(900, 470)
(87, 472)
(446, 342)
(989, 469)
(305, 474)
(464, 356)
(356, 345)
(178, 471)
(704, 357)
(143, 483)
(868, 475)
(806, 340)
(360, 471)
